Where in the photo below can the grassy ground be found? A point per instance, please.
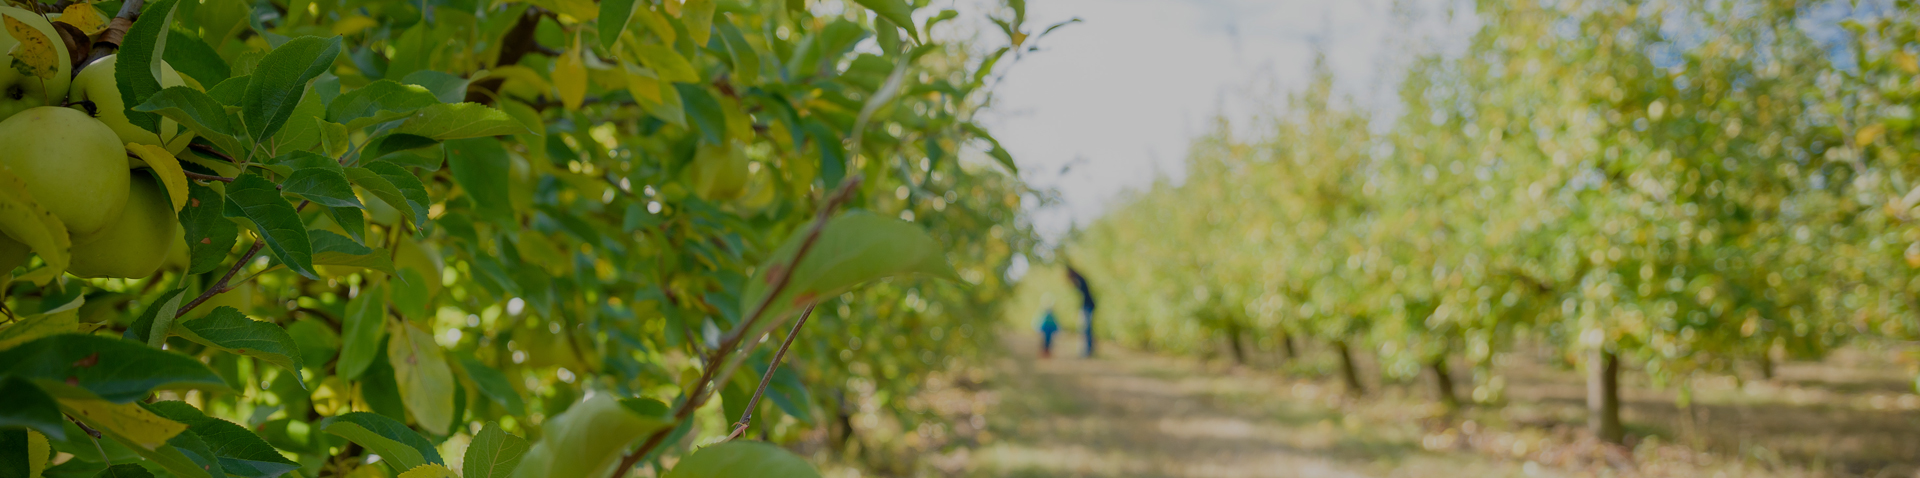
(1130, 414)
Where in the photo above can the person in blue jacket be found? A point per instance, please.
(1086, 304)
(1048, 325)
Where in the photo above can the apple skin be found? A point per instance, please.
(718, 172)
(96, 84)
(73, 166)
(21, 92)
(134, 246)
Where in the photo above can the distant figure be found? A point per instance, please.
(1086, 304)
(1048, 326)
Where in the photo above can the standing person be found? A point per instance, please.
(1048, 325)
(1086, 304)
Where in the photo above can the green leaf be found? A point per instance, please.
(378, 102)
(281, 79)
(124, 470)
(614, 15)
(667, 63)
(459, 120)
(585, 440)
(426, 383)
(198, 112)
(326, 185)
(999, 154)
(113, 369)
(398, 446)
(209, 234)
(697, 16)
(446, 88)
(331, 249)
(833, 152)
(493, 453)
(413, 193)
(228, 330)
(191, 56)
(896, 11)
(360, 335)
(259, 201)
(493, 384)
(240, 451)
(705, 111)
(483, 170)
(746, 62)
(137, 73)
(161, 312)
(742, 458)
(23, 404)
(230, 93)
(28, 328)
(301, 129)
(854, 248)
(385, 145)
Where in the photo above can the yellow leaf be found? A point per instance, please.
(1869, 134)
(85, 17)
(672, 7)
(425, 379)
(368, 471)
(643, 86)
(517, 73)
(353, 24)
(665, 62)
(35, 51)
(655, 23)
(27, 222)
(37, 326)
(37, 446)
(429, 471)
(697, 16)
(167, 168)
(570, 78)
(135, 425)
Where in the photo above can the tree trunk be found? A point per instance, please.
(1286, 345)
(1233, 340)
(1603, 396)
(1347, 369)
(1443, 383)
(1766, 365)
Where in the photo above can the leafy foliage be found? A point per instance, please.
(399, 221)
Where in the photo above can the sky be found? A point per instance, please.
(1114, 100)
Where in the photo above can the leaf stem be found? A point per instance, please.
(746, 417)
(717, 359)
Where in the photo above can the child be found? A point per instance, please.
(1048, 325)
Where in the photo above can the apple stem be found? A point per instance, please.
(116, 31)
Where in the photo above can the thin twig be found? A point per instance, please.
(209, 150)
(207, 177)
(116, 32)
(221, 286)
(746, 417)
(716, 359)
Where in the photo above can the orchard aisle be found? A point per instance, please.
(1128, 414)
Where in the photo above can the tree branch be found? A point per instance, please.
(746, 417)
(207, 177)
(221, 286)
(109, 41)
(716, 359)
(517, 43)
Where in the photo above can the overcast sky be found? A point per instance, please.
(1120, 94)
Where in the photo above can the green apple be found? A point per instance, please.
(134, 246)
(423, 261)
(19, 92)
(73, 166)
(718, 172)
(96, 84)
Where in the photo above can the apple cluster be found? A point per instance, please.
(75, 164)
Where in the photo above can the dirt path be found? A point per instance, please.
(1132, 415)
